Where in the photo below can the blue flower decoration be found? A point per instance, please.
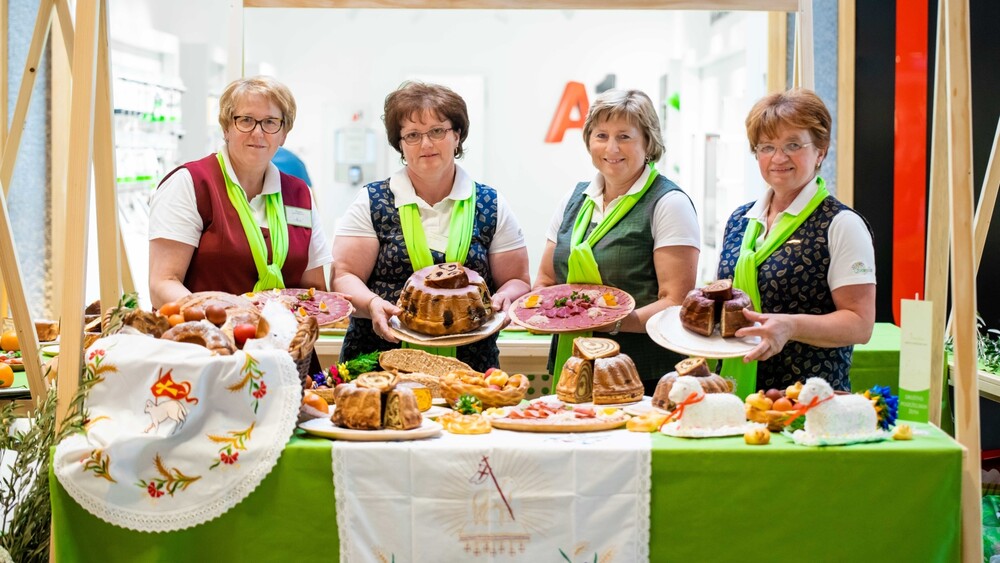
(886, 405)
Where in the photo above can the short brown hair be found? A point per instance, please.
(636, 107)
(797, 108)
(265, 86)
(413, 98)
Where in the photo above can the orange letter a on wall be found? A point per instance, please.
(574, 96)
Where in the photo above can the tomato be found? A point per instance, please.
(242, 333)
(171, 308)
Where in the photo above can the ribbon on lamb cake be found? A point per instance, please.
(175, 436)
(504, 496)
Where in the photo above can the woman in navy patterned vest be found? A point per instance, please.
(427, 124)
(806, 259)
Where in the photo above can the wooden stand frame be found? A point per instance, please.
(91, 142)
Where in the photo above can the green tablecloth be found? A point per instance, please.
(712, 500)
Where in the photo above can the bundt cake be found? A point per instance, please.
(374, 402)
(598, 372)
(616, 381)
(718, 303)
(695, 367)
(445, 299)
(357, 407)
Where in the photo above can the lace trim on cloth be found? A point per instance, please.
(643, 498)
(176, 437)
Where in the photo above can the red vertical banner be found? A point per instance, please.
(910, 154)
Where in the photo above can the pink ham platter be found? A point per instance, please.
(327, 307)
(570, 307)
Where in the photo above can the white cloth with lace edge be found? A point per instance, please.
(218, 425)
(580, 496)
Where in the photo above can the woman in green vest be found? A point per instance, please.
(430, 211)
(630, 227)
(805, 259)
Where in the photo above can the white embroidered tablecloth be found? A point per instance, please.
(175, 436)
(504, 496)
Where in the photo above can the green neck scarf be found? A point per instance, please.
(268, 275)
(463, 216)
(582, 264)
(745, 277)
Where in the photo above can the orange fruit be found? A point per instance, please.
(8, 341)
(783, 404)
(6, 375)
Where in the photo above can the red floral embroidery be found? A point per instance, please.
(229, 459)
(261, 391)
(153, 491)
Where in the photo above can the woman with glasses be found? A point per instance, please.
(630, 227)
(231, 221)
(418, 217)
(806, 259)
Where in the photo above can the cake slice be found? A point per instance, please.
(732, 318)
(697, 367)
(593, 348)
(576, 380)
(401, 412)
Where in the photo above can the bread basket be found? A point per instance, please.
(453, 387)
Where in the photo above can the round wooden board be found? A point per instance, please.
(520, 315)
(543, 426)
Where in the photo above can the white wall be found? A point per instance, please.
(340, 62)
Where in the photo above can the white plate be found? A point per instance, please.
(50, 350)
(327, 429)
(666, 330)
(407, 335)
(435, 411)
(554, 398)
(440, 401)
(642, 408)
(672, 429)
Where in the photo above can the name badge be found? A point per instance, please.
(298, 217)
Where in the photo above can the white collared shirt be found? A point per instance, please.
(674, 221)
(852, 253)
(435, 219)
(173, 211)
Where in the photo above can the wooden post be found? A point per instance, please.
(846, 16)
(109, 247)
(963, 282)
(804, 45)
(777, 52)
(938, 230)
(77, 202)
(987, 198)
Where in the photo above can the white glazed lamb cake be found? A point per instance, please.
(833, 419)
(701, 415)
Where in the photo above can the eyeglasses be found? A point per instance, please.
(789, 149)
(435, 134)
(247, 124)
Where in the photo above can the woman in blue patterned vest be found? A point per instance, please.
(806, 259)
(375, 249)
(639, 227)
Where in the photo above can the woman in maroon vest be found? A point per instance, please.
(231, 221)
